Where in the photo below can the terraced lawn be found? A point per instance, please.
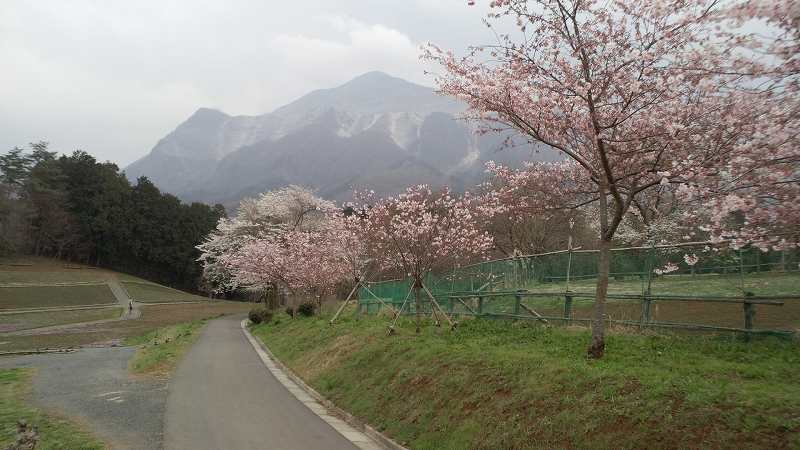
(153, 317)
(27, 321)
(154, 293)
(48, 296)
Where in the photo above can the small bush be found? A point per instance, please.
(254, 316)
(260, 315)
(306, 309)
(290, 311)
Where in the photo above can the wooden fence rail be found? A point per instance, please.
(481, 299)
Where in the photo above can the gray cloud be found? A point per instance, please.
(112, 77)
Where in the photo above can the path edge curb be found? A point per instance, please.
(381, 439)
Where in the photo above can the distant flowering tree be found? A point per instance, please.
(302, 261)
(346, 233)
(260, 263)
(225, 239)
(274, 213)
(667, 268)
(635, 94)
(752, 197)
(421, 230)
(691, 260)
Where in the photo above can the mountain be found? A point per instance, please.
(375, 131)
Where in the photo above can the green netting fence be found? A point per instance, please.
(693, 286)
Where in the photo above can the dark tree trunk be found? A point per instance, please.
(418, 303)
(598, 344)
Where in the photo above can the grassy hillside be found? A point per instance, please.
(32, 269)
(153, 317)
(32, 282)
(31, 320)
(501, 385)
(50, 296)
(48, 273)
(154, 293)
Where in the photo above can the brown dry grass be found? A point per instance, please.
(27, 321)
(317, 362)
(153, 317)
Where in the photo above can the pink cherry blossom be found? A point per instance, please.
(421, 230)
(667, 268)
(642, 96)
(691, 260)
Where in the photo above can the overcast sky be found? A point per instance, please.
(113, 77)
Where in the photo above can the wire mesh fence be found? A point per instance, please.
(695, 286)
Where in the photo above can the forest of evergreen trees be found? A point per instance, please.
(78, 209)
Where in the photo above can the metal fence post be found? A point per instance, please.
(568, 308)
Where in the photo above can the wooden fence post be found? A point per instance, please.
(568, 309)
(783, 260)
(749, 315)
(517, 301)
(646, 316)
(480, 306)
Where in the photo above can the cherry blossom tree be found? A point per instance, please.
(293, 208)
(303, 261)
(346, 231)
(635, 95)
(419, 231)
(752, 197)
(289, 238)
(514, 218)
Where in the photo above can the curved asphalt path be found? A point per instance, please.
(223, 397)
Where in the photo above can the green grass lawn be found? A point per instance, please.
(25, 321)
(502, 385)
(153, 293)
(760, 283)
(55, 433)
(161, 350)
(731, 315)
(66, 276)
(48, 296)
(785, 317)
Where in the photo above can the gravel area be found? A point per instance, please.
(93, 386)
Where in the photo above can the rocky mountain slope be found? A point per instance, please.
(375, 131)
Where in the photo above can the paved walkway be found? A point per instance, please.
(125, 301)
(222, 397)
